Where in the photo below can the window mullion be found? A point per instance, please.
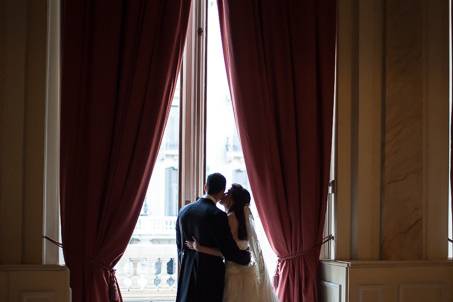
(193, 105)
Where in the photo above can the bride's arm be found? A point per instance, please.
(194, 245)
(234, 225)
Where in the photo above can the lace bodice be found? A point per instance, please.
(248, 283)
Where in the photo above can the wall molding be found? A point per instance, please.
(38, 296)
(375, 291)
(407, 291)
(331, 291)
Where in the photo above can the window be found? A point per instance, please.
(52, 253)
(223, 147)
(172, 139)
(171, 191)
(328, 248)
(236, 144)
(197, 140)
(148, 267)
(200, 137)
(240, 177)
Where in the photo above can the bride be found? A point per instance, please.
(242, 283)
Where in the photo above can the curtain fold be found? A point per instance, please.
(280, 61)
(120, 61)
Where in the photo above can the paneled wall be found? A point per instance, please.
(34, 283)
(402, 216)
(387, 281)
(23, 50)
(23, 98)
(415, 158)
(393, 130)
(392, 153)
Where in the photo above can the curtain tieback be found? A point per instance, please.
(59, 244)
(114, 294)
(281, 259)
(112, 282)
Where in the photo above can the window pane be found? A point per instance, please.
(147, 270)
(223, 148)
(171, 191)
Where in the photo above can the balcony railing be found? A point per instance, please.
(153, 227)
(153, 279)
(147, 270)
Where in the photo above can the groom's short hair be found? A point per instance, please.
(215, 183)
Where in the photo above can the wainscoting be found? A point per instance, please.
(34, 283)
(387, 281)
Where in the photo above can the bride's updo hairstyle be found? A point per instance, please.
(241, 198)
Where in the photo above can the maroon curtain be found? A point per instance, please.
(120, 61)
(280, 61)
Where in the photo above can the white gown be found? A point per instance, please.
(248, 283)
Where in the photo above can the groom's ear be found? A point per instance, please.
(205, 189)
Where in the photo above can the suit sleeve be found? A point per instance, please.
(226, 243)
(178, 240)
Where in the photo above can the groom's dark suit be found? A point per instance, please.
(202, 276)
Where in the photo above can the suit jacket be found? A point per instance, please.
(202, 276)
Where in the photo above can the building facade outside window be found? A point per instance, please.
(147, 270)
(171, 191)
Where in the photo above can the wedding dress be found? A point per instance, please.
(248, 283)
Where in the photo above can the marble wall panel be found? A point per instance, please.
(402, 198)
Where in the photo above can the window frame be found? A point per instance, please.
(193, 106)
(51, 207)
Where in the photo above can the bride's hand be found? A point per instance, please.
(227, 205)
(193, 245)
(189, 244)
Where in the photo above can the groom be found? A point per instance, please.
(201, 277)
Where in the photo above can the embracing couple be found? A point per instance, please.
(219, 254)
